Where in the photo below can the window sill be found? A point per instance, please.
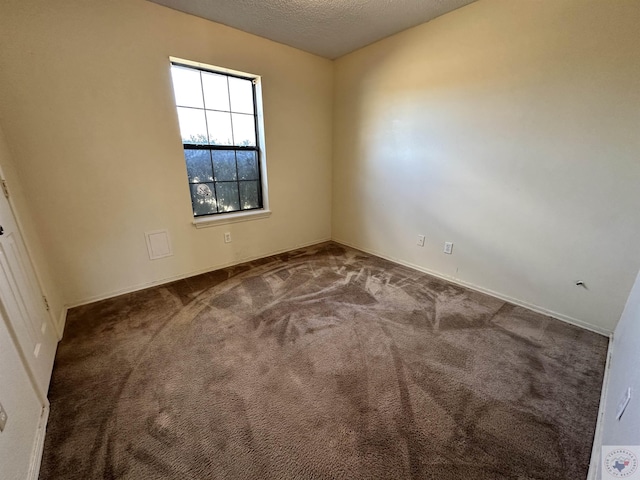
(204, 222)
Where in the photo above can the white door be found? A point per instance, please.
(23, 303)
(22, 435)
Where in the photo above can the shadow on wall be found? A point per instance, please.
(468, 133)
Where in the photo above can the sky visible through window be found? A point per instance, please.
(217, 120)
(214, 109)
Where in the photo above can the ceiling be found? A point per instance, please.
(329, 28)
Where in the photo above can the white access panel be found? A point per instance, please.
(158, 244)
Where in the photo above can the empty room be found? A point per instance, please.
(307, 239)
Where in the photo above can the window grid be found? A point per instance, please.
(238, 180)
(210, 148)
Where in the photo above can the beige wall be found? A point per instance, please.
(87, 108)
(512, 130)
(509, 128)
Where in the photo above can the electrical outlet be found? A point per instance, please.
(420, 241)
(448, 248)
(3, 418)
(227, 237)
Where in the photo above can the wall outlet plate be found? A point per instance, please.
(227, 237)
(3, 418)
(420, 241)
(448, 248)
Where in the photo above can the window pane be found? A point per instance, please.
(247, 165)
(203, 198)
(249, 196)
(187, 87)
(217, 115)
(198, 166)
(244, 130)
(193, 127)
(224, 164)
(227, 196)
(219, 124)
(241, 91)
(216, 92)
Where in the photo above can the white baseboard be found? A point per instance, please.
(38, 444)
(594, 464)
(477, 288)
(506, 298)
(142, 286)
(61, 322)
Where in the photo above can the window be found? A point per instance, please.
(219, 125)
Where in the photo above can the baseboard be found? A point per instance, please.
(477, 288)
(61, 322)
(506, 298)
(142, 286)
(594, 464)
(38, 445)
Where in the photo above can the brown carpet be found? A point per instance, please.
(323, 363)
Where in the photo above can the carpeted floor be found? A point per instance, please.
(323, 363)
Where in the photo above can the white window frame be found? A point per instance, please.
(238, 216)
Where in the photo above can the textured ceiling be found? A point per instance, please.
(329, 28)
